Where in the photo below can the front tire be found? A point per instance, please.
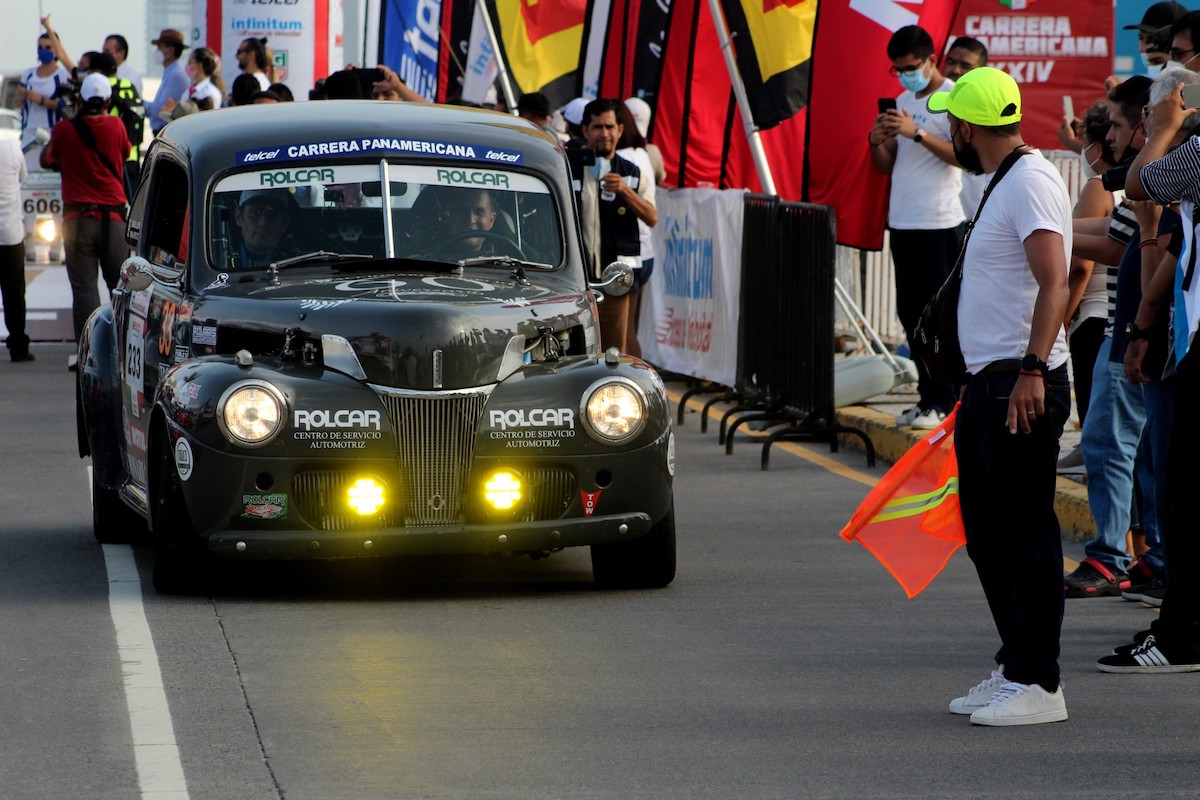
(645, 563)
(180, 557)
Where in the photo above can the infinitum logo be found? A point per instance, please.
(240, 24)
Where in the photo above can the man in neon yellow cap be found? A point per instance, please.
(1014, 404)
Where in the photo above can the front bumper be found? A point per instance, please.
(451, 540)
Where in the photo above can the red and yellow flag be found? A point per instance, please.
(911, 520)
(541, 42)
(773, 40)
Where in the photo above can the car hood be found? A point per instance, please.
(416, 331)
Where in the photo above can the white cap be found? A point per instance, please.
(573, 111)
(641, 114)
(95, 87)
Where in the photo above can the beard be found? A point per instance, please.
(968, 158)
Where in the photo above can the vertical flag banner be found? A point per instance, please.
(480, 68)
(409, 41)
(843, 106)
(542, 42)
(600, 32)
(911, 520)
(697, 124)
(774, 42)
(1053, 48)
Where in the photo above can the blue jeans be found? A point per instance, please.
(1156, 438)
(1112, 434)
(1006, 491)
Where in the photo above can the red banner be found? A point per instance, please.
(842, 106)
(1054, 48)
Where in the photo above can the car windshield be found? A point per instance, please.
(434, 213)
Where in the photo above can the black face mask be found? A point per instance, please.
(967, 157)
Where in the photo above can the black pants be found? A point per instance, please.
(88, 249)
(1085, 344)
(923, 260)
(1006, 490)
(12, 290)
(1178, 623)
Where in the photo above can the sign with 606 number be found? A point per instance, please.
(41, 193)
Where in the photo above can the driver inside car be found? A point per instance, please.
(468, 210)
(262, 217)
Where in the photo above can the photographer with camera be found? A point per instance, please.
(90, 150)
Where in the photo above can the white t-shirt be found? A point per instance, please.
(12, 175)
(995, 309)
(132, 75)
(36, 115)
(640, 157)
(925, 189)
(203, 89)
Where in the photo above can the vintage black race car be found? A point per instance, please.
(354, 329)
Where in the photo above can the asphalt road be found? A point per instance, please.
(782, 663)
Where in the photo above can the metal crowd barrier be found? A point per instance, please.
(785, 331)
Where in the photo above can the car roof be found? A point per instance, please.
(216, 141)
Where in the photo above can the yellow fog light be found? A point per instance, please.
(365, 496)
(503, 490)
(46, 230)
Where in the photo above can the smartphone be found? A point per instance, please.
(1191, 95)
(1068, 107)
(889, 103)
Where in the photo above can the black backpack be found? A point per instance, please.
(127, 105)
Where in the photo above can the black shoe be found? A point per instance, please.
(1149, 657)
(19, 357)
(1137, 592)
(1138, 638)
(1093, 579)
(1141, 572)
(1154, 597)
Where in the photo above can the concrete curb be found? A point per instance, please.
(891, 442)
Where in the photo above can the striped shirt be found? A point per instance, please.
(1122, 228)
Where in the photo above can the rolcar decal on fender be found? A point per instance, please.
(346, 418)
(533, 418)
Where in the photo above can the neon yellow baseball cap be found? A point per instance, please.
(983, 96)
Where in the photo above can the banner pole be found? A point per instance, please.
(501, 67)
(739, 90)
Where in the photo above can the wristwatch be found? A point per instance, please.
(919, 135)
(1031, 363)
(1133, 333)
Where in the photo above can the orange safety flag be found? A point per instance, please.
(911, 520)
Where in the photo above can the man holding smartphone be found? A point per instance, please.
(925, 217)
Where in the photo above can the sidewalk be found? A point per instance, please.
(878, 418)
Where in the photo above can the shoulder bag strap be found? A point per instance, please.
(89, 139)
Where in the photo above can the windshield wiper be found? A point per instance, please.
(518, 266)
(316, 255)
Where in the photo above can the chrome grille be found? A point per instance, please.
(320, 497)
(435, 442)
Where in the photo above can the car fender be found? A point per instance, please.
(99, 397)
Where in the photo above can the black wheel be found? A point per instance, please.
(645, 563)
(113, 522)
(504, 245)
(180, 557)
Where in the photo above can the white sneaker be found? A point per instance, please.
(928, 419)
(908, 415)
(978, 697)
(1022, 704)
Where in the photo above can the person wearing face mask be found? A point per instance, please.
(1087, 311)
(169, 48)
(964, 55)
(1152, 34)
(1017, 398)
(1185, 42)
(1112, 442)
(925, 216)
(35, 97)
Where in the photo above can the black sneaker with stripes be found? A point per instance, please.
(1151, 656)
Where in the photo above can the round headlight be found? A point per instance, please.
(251, 413)
(615, 410)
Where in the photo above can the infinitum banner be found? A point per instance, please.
(304, 36)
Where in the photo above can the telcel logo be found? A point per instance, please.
(533, 418)
(347, 418)
(261, 155)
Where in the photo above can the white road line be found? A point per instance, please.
(159, 769)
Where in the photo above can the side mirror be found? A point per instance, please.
(616, 280)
